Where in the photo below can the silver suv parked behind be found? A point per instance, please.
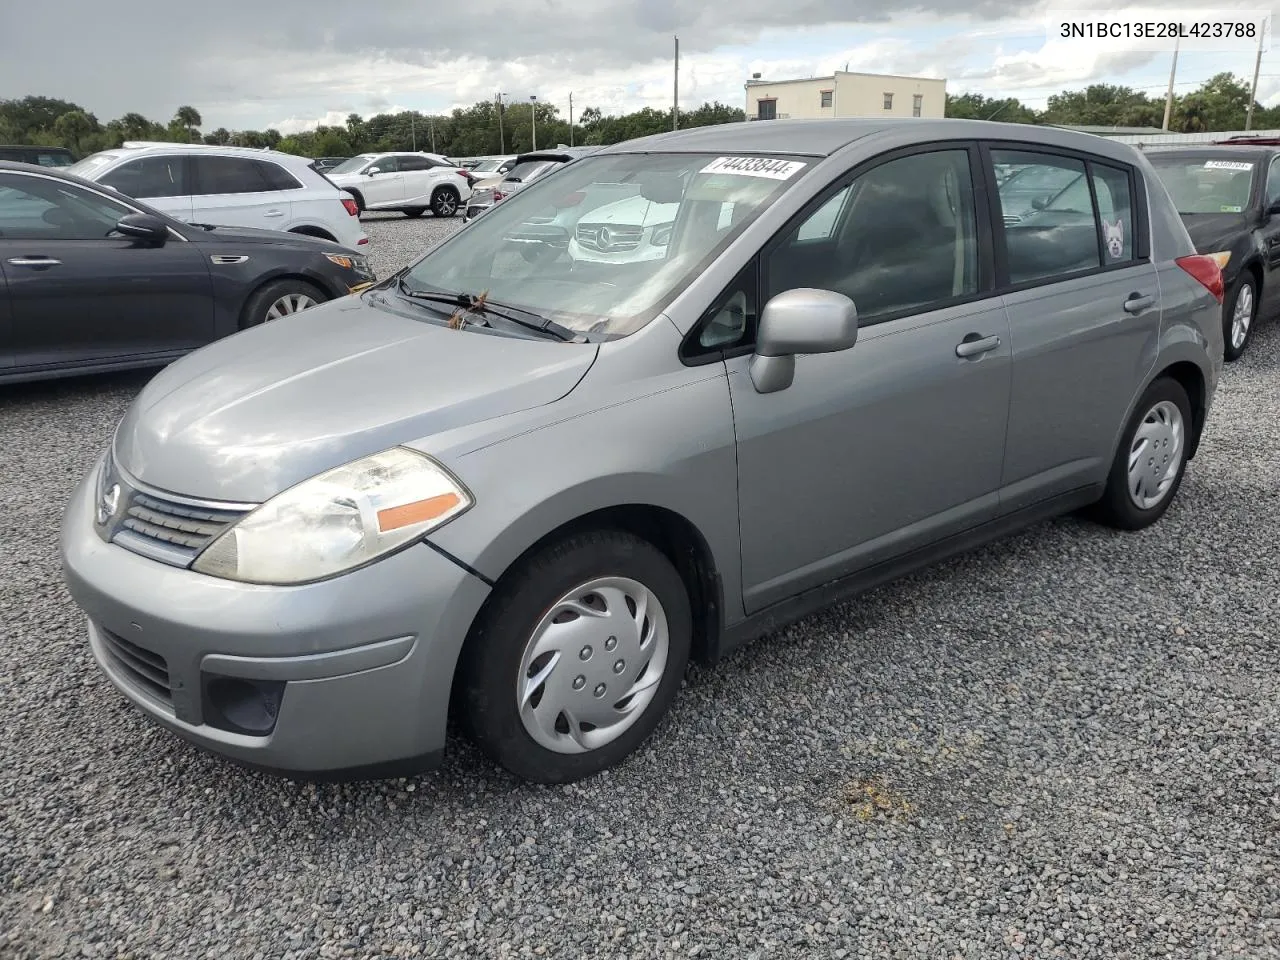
(534, 490)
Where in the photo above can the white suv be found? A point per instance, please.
(409, 182)
(229, 186)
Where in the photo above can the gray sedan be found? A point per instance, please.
(527, 491)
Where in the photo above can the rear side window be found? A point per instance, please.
(149, 177)
(223, 175)
(1049, 227)
(417, 163)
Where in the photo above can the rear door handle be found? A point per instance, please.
(974, 345)
(1138, 302)
(33, 262)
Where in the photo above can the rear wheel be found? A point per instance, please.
(577, 657)
(279, 299)
(445, 201)
(1239, 311)
(1151, 460)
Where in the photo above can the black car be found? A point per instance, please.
(91, 280)
(1228, 195)
(325, 164)
(41, 156)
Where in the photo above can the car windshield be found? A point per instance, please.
(86, 167)
(487, 166)
(354, 165)
(526, 171)
(1206, 184)
(603, 245)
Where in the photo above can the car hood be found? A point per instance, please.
(255, 235)
(1214, 232)
(259, 411)
(634, 211)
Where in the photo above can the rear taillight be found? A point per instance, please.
(351, 206)
(1207, 268)
(497, 196)
(467, 176)
(362, 241)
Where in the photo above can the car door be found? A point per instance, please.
(882, 448)
(6, 321)
(1084, 317)
(385, 187)
(419, 176)
(237, 192)
(78, 293)
(162, 181)
(1271, 235)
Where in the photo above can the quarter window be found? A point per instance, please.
(148, 177)
(33, 208)
(903, 240)
(1116, 212)
(1049, 224)
(224, 175)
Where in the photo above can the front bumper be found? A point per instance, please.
(361, 665)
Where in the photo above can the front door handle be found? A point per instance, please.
(33, 262)
(1138, 302)
(274, 213)
(974, 345)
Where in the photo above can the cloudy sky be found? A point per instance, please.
(292, 63)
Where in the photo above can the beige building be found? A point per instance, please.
(846, 95)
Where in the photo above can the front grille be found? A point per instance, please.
(179, 527)
(145, 669)
(609, 237)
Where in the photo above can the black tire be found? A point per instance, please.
(262, 299)
(1246, 279)
(445, 202)
(1116, 508)
(490, 663)
(414, 211)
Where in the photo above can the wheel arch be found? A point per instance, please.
(311, 230)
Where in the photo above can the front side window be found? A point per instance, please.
(1206, 184)
(148, 177)
(905, 240)
(1049, 224)
(1273, 182)
(33, 208)
(388, 164)
(604, 244)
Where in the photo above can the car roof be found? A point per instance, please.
(1258, 151)
(132, 147)
(824, 137)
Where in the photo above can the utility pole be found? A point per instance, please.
(502, 137)
(533, 120)
(432, 122)
(571, 118)
(413, 129)
(675, 105)
(1168, 99)
(1257, 65)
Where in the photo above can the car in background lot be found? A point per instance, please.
(325, 164)
(229, 186)
(526, 168)
(492, 166)
(531, 493)
(411, 183)
(41, 156)
(91, 280)
(1228, 195)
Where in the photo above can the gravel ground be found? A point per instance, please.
(1065, 745)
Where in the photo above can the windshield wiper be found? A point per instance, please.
(478, 306)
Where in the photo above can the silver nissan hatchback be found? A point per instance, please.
(524, 490)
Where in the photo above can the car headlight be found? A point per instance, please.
(661, 235)
(338, 520)
(350, 261)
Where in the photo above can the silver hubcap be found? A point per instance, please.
(289, 303)
(1156, 455)
(1242, 316)
(593, 665)
(445, 204)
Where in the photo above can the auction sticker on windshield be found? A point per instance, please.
(755, 167)
(1227, 165)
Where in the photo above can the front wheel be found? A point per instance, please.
(577, 657)
(279, 299)
(1151, 460)
(1239, 311)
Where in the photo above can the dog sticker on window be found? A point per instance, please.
(1113, 235)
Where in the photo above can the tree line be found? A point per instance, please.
(489, 127)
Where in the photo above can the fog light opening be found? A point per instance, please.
(243, 706)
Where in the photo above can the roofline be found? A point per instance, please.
(847, 73)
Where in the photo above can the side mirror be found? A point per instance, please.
(1273, 208)
(1040, 203)
(372, 170)
(143, 226)
(804, 320)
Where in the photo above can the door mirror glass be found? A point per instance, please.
(372, 170)
(802, 320)
(143, 226)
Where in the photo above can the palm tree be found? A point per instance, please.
(188, 118)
